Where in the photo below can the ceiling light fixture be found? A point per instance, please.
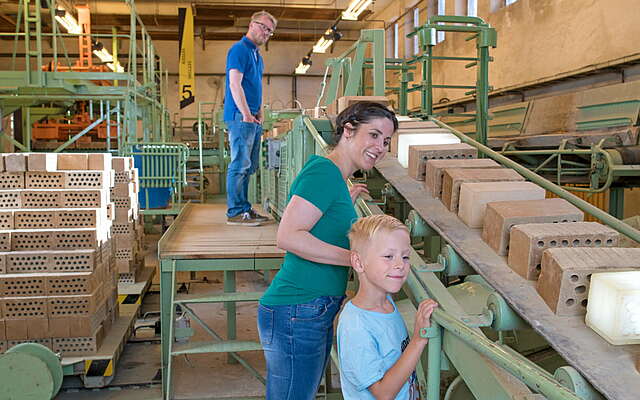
(356, 7)
(68, 21)
(323, 43)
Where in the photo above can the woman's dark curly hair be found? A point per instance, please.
(362, 112)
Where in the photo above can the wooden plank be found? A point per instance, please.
(610, 369)
(201, 232)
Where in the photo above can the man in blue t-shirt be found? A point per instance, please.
(243, 116)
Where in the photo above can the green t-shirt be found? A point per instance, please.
(300, 281)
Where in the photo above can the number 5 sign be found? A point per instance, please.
(186, 78)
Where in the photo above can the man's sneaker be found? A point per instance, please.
(257, 216)
(243, 219)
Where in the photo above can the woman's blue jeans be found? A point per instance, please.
(297, 343)
(244, 141)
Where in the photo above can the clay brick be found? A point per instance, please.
(419, 155)
(12, 180)
(501, 216)
(564, 280)
(45, 219)
(434, 171)
(454, 177)
(86, 180)
(121, 164)
(6, 220)
(346, 101)
(24, 307)
(3, 264)
(73, 162)
(44, 180)
(528, 241)
(15, 162)
(417, 125)
(10, 199)
(27, 330)
(42, 162)
(40, 199)
(400, 142)
(122, 190)
(99, 161)
(22, 286)
(474, 197)
(3, 336)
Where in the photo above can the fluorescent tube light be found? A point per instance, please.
(302, 68)
(69, 22)
(356, 7)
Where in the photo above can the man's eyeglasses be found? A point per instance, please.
(265, 28)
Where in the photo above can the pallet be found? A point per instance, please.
(98, 370)
(133, 293)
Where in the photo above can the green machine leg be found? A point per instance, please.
(230, 287)
(166, 319)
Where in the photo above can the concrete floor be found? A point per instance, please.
(198, 376)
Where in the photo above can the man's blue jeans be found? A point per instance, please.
(297, 343)
(244, 140)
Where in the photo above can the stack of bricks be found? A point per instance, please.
(58, 284)
(127, 227)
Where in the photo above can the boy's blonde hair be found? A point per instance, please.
(365, 229)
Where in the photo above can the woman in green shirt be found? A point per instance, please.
(296, 313)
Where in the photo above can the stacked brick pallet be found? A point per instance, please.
(58, 284)
(127, 227)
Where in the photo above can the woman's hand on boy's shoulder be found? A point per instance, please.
(423, 317)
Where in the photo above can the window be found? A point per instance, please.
(395, 40)
(509, 2)
(441, 11)
(472, 8)
(416, 24)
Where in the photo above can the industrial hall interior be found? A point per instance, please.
(319, 199)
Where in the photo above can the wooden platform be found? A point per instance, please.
(201, 232)
(610, 369)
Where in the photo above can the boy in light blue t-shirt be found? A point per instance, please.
(377, 358)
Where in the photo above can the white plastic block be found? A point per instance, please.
(412, 139)
(613, 309)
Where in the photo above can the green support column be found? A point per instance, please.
(230, 287)
(379, 74)
(616, 202)
(166, 318)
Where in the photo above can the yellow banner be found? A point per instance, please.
(186, 79)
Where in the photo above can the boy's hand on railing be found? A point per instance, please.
(423, 318)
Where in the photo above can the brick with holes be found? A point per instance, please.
(474, 197)
(41, 199)
(35, 219)
(6, 220)
(501, 216)
(77, 346)
(44, 180)
(87, 180)
(527, 242)
(564, 280)
(24, 307)
(12, 180)
(434, 169)
(10, 199)
(454, 177)
(420, 154)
